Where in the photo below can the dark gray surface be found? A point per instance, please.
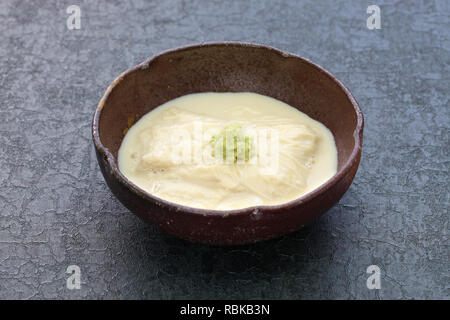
(55, 209)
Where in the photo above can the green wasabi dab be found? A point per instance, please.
(232, 144)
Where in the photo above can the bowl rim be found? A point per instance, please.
(113, 164)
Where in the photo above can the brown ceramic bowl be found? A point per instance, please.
(225, 67)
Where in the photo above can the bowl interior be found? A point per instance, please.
(229, 68)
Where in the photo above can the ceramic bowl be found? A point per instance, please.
(228, 67)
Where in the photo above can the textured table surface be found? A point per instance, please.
(56, 211)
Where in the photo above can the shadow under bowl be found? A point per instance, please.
(228, 67)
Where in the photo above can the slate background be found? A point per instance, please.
(55, 209)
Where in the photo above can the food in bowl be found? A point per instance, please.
(226, 151)
(228, 67)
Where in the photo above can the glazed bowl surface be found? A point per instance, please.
(228, 67)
